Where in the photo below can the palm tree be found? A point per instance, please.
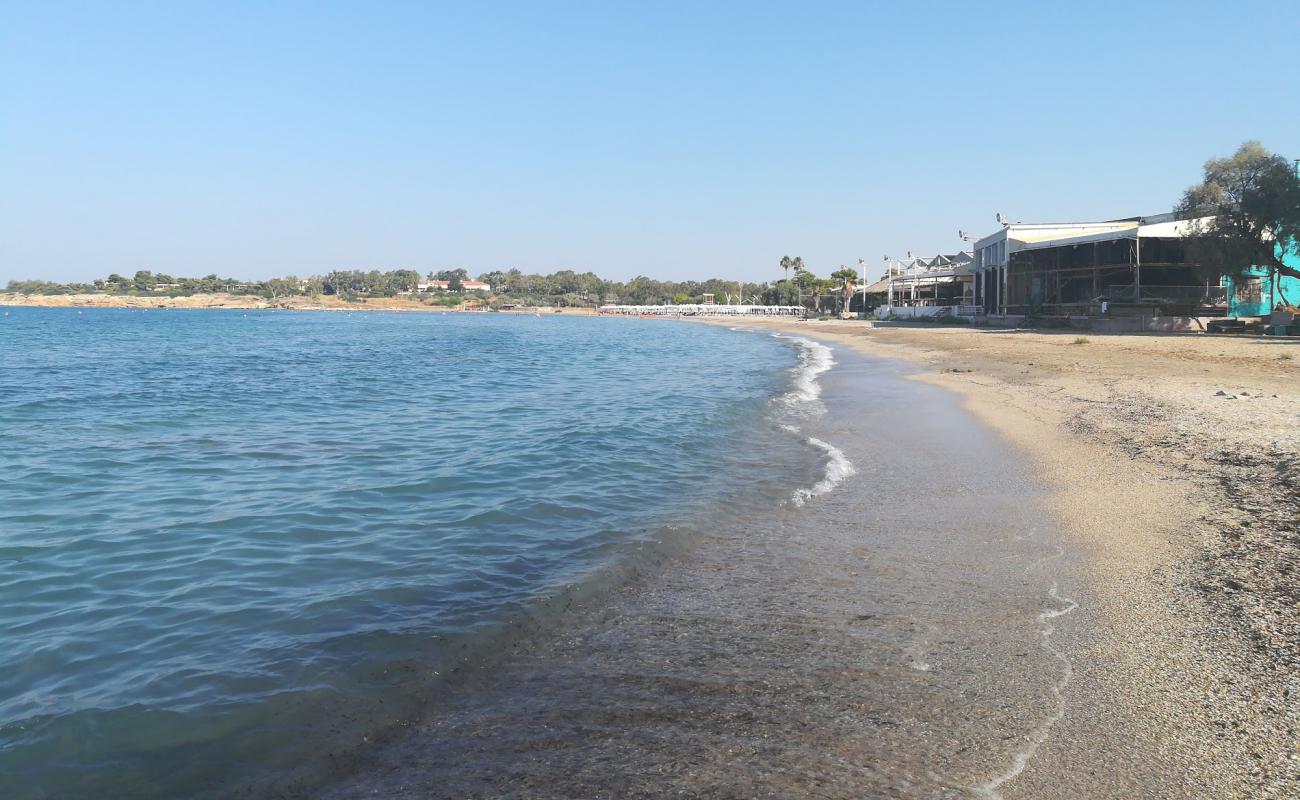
(846, 276)
(786, 263)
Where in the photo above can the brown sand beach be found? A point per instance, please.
(1173, 465)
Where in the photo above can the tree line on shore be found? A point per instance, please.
(562, 288)
(1245, 205)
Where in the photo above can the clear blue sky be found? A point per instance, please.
(669, 139)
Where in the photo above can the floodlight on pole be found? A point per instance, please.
(862, 262)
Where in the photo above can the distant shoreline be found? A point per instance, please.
(253, 303)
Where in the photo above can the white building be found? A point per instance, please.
(443, 286)
(943, 281)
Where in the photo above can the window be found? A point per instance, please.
(1247, 290)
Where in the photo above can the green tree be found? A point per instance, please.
(279, 287)
(1244, 207)
(806, 280)
(781, 293)
(496, 279)
(461, 275)
(403, 280)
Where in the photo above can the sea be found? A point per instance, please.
(241, 550)
(345, 555)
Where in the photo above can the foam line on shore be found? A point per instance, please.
(1039, 733)
(814, 359)
(838, 467)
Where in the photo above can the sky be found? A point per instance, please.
(675, 140)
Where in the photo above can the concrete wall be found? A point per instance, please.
(1107, 324)
(1149, 324)
(1000, 320)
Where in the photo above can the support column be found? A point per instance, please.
(1137, 268)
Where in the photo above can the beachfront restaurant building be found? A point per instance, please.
(926, 287)
(1086, 268)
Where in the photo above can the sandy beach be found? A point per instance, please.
(1173, 467)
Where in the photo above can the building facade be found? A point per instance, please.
(1257, 292)
(1083, 267)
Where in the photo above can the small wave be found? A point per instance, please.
(814, 359)
(838, 467)
(1038, 735)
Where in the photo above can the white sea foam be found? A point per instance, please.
(803, 399)
(838, 467)
(1039, 734)
(814, 359)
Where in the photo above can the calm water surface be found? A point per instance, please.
(235, 544)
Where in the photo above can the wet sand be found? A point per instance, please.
(895, 637)
(1170, 464)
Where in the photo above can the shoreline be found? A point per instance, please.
(1102, 623)
(1184, 645)
(235, 302)
(835, 648)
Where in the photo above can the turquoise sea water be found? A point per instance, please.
(236, 546)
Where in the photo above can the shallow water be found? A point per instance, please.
(238, 548)
(888, 637)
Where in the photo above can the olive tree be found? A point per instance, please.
(1245, 207)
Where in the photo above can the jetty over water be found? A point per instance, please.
(701, 310)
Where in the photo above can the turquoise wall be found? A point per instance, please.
(1269, 294)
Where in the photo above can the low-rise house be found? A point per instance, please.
(443, 286)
